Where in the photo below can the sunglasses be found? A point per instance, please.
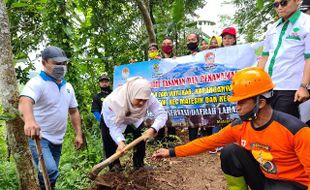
(283, 3)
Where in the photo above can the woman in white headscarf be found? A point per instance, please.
(124, 111)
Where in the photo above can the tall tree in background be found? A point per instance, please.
(144, 9)
(9, 96)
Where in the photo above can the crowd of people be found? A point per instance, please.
(268, 147)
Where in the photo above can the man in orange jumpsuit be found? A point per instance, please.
(265, 149)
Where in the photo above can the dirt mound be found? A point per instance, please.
(193, 173)
(198, 172)
(134, 180)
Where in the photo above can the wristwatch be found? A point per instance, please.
(303, 85)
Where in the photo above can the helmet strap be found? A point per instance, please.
(251, 115)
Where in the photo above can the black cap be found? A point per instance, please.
(103, 77)
(54, 53)
(305, 5)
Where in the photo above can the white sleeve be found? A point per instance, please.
(73, 102)
(116, 131)
(159, 113)
(32, 89)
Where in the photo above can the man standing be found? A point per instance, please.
(45, 103)
(192, 43)
(104, 84)
(267, 149)
(305, 6)
(286, 56)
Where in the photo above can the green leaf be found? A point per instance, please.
(178, 11)
(7, 117)
(260, 4)
(191, 24)
(19, 5)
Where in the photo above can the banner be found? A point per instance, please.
(194, 88)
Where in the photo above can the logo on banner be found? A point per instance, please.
(125, 72)
(156, 67)
(210, 58)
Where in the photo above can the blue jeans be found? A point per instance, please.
(51, 155)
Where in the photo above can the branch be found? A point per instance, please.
(147, 21)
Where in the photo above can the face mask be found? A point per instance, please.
(153, 55)
(58, 71)
(167, 49)
(192, 46)
(251, 114)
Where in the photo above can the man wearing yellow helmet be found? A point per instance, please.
(265, 148)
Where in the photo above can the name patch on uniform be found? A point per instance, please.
(294, 35)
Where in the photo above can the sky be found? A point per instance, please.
(212, 11)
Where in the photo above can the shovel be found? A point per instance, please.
(42, 165)
(97, 168)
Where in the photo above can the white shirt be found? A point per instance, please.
(51, 105)
(288, 45)
(116, 131)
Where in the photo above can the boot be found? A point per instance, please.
(236, 183)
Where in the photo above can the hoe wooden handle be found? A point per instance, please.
(97, 168)
(42, 165)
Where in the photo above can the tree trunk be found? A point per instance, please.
(9, 97)
(147, 21)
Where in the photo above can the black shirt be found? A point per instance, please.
(98, 99)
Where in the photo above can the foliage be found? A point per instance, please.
(172, 19)
(8, 176)
(253, 17)
(74, 165)
(96, 35)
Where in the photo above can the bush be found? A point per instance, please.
(75, 164)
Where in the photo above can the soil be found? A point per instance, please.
(197, 172)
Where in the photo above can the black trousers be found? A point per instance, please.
(237, 161)
(193, 133)
(283, 100)
(110, 146)
(161, 133)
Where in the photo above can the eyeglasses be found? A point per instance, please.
(283, 3)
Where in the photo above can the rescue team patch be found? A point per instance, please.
(264, 157)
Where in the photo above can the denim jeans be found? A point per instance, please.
(51, 155)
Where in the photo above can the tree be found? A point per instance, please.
(8, 87)
(147, 20)
(253, 17)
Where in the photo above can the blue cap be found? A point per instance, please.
(54, 53)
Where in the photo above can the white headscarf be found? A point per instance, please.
(120, 100)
